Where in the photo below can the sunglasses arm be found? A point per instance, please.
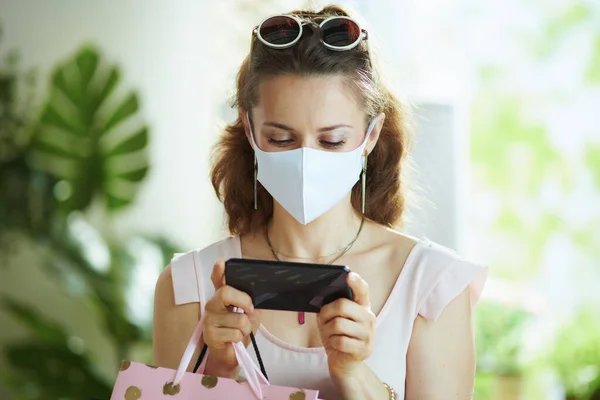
(252, 39)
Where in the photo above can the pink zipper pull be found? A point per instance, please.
(301, 317)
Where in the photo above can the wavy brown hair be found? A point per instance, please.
(232, 172)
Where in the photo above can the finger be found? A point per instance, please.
(341, 308)
(233, 321)
(360, 289)
(347, 345)
(216, 337)
(345, 327)
(218, 274)
(229, 296)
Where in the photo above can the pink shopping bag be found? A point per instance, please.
(137, 381)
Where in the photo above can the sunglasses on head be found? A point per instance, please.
(337, 33)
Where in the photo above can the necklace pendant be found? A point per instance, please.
(301, 317)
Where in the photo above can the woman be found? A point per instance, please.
(311, 172)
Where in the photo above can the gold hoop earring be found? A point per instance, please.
(255, 182)
(364, 183)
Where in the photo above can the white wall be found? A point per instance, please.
(440, 179)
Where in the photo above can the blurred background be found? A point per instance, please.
(108, 111)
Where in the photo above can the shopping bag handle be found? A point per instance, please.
(255, 376)
(256, 351)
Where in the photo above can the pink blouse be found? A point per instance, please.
(432, 276)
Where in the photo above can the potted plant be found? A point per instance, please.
(499, 332)
(54, 168)
(575, 355)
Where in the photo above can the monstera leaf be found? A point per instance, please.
(45, 367)
(90, 135)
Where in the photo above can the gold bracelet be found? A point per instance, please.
(391, 392)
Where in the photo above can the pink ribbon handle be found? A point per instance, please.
(189, 352)
(249, 368)
(251, 371)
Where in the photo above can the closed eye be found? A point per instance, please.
(281, 143)
(332, 144)
(328, 144)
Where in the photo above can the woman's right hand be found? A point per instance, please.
(222, 325)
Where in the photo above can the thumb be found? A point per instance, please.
(218, 274)
(360, 289)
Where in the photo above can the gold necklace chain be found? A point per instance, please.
(341, 251)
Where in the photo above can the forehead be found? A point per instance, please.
(322, 100)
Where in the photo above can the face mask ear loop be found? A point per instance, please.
(255, 183)
(364, 168)
(364, 182)
(368, 134)
(255, 162)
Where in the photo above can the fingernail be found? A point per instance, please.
(353, 277)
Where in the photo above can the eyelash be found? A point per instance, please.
(324, 143)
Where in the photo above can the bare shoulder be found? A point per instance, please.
(395, 244)
(380, 259)
(164, 285)
(173, 324)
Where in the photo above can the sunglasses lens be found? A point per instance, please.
(340, 32)
(280, 30)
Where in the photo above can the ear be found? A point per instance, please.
(243, 115)
(374, 137)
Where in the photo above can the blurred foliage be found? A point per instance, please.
(593, 72)
(575, 355)
(524, 112)
(88, 141)
(592, 157)
(560, 25)
(26, 199)
(86, 145)
(499, 332)
(501, 135)
(14, 112)
(514, 158)
(45, 366)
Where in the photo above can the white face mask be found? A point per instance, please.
(308, 182)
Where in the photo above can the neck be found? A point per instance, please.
(323, 236)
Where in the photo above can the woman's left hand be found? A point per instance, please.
(347, 330)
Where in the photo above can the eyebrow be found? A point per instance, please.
(289, 129)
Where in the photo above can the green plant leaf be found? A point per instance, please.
(593, 72)
(46, 371)
(499, 332)
(575, 354)
(91, 137)
(501, 133)
(107, 288)
(137, 141)
(592, 159)
(573, 14)
(43, 330)
(46, 368)
(125, 110)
